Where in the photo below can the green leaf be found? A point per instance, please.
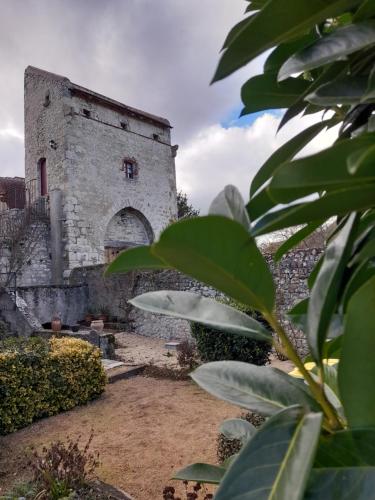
(365, 253)
(357, 368)
(135, 258)
(296, 238)
(230, 204)
(338, 202)
(348, 90)
(370, 91)
(361, 159)
(327, 286)
(201, 473)
(264, 92)
(276, 462)
(260, 204)
(194, 307)
(349, 483)
(364, 272)
(261, 389)
(338, 44)
(262, 32)
(308, 175)
(285, 153)
(365, 11)
(233, 265)
(238, 428)
(349, 448)
(285, 50)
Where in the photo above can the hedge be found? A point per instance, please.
(216, 345)
(40, 378)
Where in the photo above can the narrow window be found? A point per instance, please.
(124, 125)
(155, 137)
(47, 99)
(86, 113)
(130, 169)
(42, 177)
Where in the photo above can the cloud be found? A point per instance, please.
(158, 56)
(217, 156)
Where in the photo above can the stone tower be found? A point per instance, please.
(106, 170)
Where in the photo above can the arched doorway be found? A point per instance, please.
(127, 228)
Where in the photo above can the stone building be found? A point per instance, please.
(105, 169)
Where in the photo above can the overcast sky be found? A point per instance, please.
(158, 56)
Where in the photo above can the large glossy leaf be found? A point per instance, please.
(285, 153)
(276, 462)
(263, 92)
(370, 91)
(260, 204)
(135, 258)
(261, 389)
(194, 307)
(338, 202)
(285, 50)
(349, 448)
(349, 90)
(342, 483)
(340, 43)
(233, 264)
(326, 288)
(262, 32)
(364, 272)
(302, 177)
(201, 473)
(238, 428)
(357, 367)
(296, 238)
(365, 10)
(229, 203)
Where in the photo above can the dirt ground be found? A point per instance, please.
(145, 429)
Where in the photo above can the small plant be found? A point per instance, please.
(63, 468)
(197, 491)
(22, 489)
(187, 355)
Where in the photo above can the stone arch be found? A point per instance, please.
(127, 228)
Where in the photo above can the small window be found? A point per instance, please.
(86, 113)
(42, 177)
(130, 168)
(156, 137)
(124, 125)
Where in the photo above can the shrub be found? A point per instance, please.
(40, 378)
(187, 355)
(63, 468)
(215, 345)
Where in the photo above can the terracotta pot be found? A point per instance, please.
(56, 325)
(97, 325)
(88, 318)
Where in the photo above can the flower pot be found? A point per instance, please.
(56, 325)
(97, 325)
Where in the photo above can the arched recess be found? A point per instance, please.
(127, 228)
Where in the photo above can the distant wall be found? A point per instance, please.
(69, 302)
(113, 292)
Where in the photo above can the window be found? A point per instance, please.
(155, 137)
(124, 125)
(86, 113)
(130, 169)
(47, 99)
(42, 177)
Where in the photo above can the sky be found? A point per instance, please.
(157, 56)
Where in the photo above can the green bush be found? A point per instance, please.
(40, 378)
(216, 345)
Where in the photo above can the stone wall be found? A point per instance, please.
(70, 303)
(113, 292)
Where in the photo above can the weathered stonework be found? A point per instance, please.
(85, 138)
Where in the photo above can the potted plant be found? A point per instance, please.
(56, 323)
(104, 313)
(89, 316)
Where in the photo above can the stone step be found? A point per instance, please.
(117, 370)
(172, 345)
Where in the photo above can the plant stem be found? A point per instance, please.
(316, 389)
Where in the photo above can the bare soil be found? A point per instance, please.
(145, 429)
